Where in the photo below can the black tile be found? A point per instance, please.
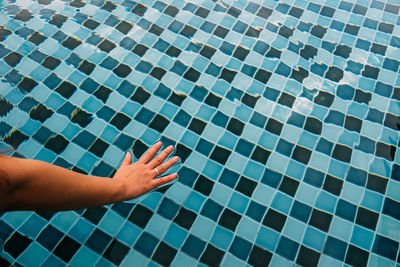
(377, 183)
(124, 27)
(260, 154)
(212, 256)
(81, 117)
(122, 70)
(356, 256)
(259, 257)
(367, 218)
(16, 244)
(343, 51)
(51, 62)
(140, 215)
(16, 138)
(140, 49)
(313, 125)
(41, 113)
(274, 126)
(57, 143)
(353, 124)
(139, 9)
(106, 46)
(274, 220)
(109, 6)
(333, 185)
(116, 252)
(308, 257)
(370, 72)
(318, 31)
(264, 12)
(91, 24)
(71, 43)
(229, 219)
(246, 186)
(94, 215)
(120, 121)
(66, 248)
(86, 67)
(140, 95)
(164, 254)
(159, 123)
(334, 73)
(171, 11)
(386, 151)
(299, 74)
(324, 99)
(13, 59)
(102, 93)
(274, 53)
(204, 185)
(185, 218)
(221, 31)
(182, 151)
(158, 73)
(392, 121)
(321, 220)
(197, 126)
(66, 89)
(286, 99)
(289, 186)
(155, 29)
(27, 84)
(301, 154)
(308, 52)
(342, 153)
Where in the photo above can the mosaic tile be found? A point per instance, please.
(284, 114)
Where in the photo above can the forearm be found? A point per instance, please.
(36, 185)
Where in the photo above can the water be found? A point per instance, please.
(285, 116)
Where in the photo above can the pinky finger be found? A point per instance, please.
(164, 179)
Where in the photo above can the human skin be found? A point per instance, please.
(27, 184)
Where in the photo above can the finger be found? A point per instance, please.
(164, 180)
(146, 157)
(166, 165)
(127, 160)
(160, 158)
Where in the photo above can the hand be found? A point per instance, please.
(138, 178)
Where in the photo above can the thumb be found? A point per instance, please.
(127, 160)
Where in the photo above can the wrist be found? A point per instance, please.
(118, 191)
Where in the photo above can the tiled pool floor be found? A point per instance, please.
(285, 116)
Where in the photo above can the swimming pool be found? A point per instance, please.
(285, 116)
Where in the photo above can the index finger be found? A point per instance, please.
(146, 157)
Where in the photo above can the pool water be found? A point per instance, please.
(285, 116)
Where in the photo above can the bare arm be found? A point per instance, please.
(35, 185)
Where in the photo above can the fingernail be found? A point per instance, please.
(170, 148)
